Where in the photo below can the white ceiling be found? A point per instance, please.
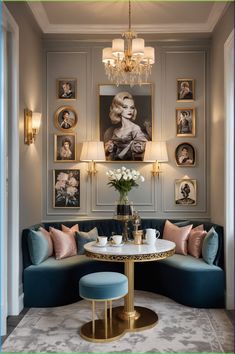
(109, 17)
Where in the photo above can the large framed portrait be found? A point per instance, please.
(66, 89)
(125, 120)
(186, 191)
(185, 155)
(64, 147)
(185, 122)
(66, 188)
(65, 118)
(185, 90)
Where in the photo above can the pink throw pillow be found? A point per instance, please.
(64, 243)
(176, 234)
(195, 241)
(74, 228)
(49, 240)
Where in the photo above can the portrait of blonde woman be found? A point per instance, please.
(124, 139)
(185, 89)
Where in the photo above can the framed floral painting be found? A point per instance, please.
(66, 188)
(125, 120)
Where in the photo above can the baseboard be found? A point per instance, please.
(3, 323)
(230, 301)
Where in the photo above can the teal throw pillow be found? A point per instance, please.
(39, 248)
(210, 246)
(83, 237)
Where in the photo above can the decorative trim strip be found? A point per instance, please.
(130, 258)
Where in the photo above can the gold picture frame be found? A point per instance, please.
(65, 118)
(66, 89)
(65, 147)
(185, 155)
(66, 188)
(138, 126)
(185, 122)
(185, 90)
(186, 191)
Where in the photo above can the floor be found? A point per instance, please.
(13, 321)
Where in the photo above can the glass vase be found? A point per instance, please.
(124, 207)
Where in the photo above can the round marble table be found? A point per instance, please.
(132, 318)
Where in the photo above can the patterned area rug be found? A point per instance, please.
(179, 329)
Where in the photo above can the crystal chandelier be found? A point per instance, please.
(128, 61)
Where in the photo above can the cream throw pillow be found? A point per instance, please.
(176, 234)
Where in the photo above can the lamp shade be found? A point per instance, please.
(36, 120)
(138, 46)
(118, 47)
(93, 151)
(149, 55)
(155, 151)
(107, 56)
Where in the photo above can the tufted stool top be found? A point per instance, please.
(103, 286)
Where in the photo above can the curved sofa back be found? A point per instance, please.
(107, 226)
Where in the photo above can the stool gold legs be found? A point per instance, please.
(104, 330)
(93, 318)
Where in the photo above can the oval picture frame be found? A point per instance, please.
(65, 123)
(185, 155)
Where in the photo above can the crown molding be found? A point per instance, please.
(42, 20)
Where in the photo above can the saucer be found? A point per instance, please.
(120, 245)
(98, 245)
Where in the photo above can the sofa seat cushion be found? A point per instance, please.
(189, 263)
(53, 264)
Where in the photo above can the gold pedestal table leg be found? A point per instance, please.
(133, 318)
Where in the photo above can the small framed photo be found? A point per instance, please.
(185, 155)
(64, 148)
(185, 90)
(185, 122)
(186, 191)
(65, 118)
(66, 89)
(66, 189)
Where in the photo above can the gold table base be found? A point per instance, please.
(144, 319)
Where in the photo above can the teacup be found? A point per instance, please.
(102, 240)
(151, 236)
(116, 239)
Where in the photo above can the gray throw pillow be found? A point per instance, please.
(83, 237)
(39, 248)
(210, 246)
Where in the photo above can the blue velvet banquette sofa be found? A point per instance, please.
(185, 279)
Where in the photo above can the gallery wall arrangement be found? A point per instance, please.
(81, 105)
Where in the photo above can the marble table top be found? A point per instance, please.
(129, 250)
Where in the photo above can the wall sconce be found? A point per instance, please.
(92, 151)
(156, 152)
(32, 122)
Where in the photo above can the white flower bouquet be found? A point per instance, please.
(123, 180)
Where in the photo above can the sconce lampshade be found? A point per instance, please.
(92, 151)
(36, 120)
(155, 151)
